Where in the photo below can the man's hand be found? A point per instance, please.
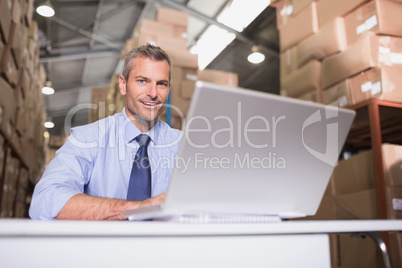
(153, 201)
(86, 207)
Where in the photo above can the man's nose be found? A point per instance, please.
(152, 91)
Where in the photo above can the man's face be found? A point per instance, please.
(146, 90)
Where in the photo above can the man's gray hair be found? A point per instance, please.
(147, 51)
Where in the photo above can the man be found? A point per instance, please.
(94, 173)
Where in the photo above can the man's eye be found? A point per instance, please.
(163, 84)
(142, 81)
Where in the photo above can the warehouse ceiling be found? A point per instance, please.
(80, 47)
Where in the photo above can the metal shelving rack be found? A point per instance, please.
(377, 122)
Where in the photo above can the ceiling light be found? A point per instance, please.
(45, 9)
(256, 56)
(47, 89)
(49, 123)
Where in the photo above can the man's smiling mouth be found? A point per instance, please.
(150, 103)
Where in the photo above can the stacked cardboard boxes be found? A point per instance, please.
(326, 211)
(297, 21)
(345, 51)
(183, 83)
(114, 100)
(396, 245)
(23, 148)
(99, 99)
(350, 195)
(355, 198)
(369, 66)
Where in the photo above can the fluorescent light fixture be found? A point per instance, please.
(207, 50)
(45, 9)
(47, 89)
(256, 56)
(238, 14)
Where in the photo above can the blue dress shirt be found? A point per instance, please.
(97, 160)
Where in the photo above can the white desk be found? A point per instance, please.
(26, 243)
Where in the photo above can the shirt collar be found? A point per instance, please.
(131, 131)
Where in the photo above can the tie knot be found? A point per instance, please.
(143, 139)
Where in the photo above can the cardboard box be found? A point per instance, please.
(395, 247)
(392, 163)
(1, 51)
(160, 28)
(20, 122)
(369, 51)
(299, 5)
(29, 12)
(218, 77)
(24, 81)
(179, 75)
(119, 102)
(288, 62)
(338, 94)
(394, 202)
(383, 83)
(358, 252)
(165, 42)
(18, 98)
(128, 46)
(99, 98)
(9, 185)
(16, 12)
(172, 16)
(24, 6)
(175, 121)
(354, 174)
(179, 107)
(380, 17)
(284, 10)
(354, 184)
(291, 33)
(182, 58)
(7, 105)
(187, 89)
(305, 79)
(356, 206)
(313, 96)
(33, 30)
(329, 40)
(5, 19)
(2, 153)
(8, 67)
(330, 9)
(16, 40)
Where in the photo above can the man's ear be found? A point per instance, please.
(122, 85)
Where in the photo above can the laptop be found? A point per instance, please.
(251, 156)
